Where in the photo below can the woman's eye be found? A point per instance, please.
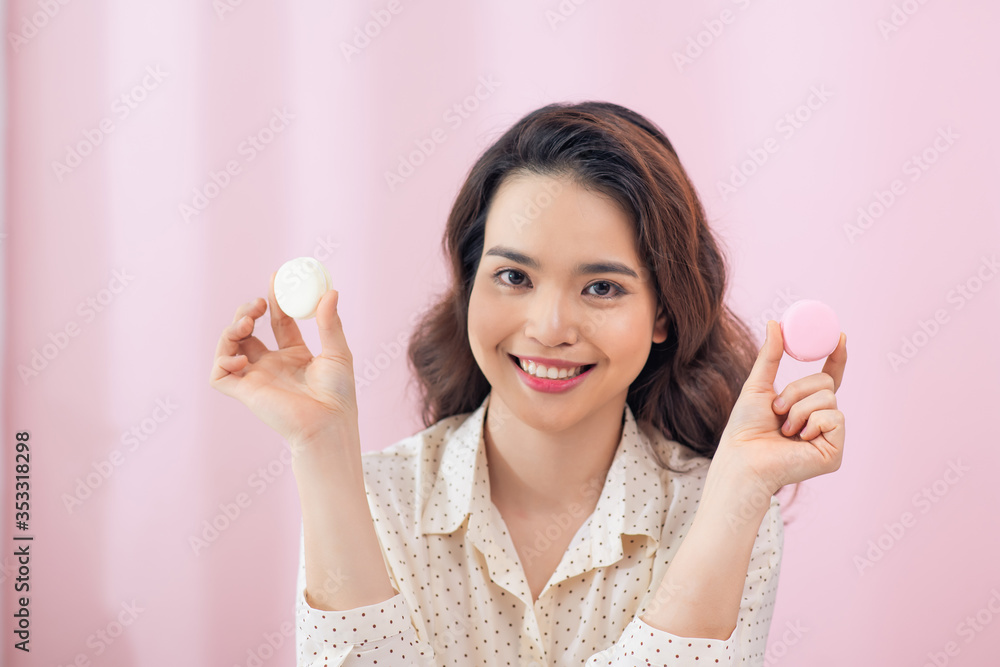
(518, 281)
(610, 286)
(504, 271)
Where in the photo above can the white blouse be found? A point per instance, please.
(462, 597)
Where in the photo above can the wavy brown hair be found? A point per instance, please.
(691, 381)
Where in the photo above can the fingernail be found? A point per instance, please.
(779, 403)
(787, 426)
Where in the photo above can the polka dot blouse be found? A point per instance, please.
(462, 597)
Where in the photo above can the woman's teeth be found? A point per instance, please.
(539, 370)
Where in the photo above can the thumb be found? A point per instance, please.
(331, 328)
(765, 368)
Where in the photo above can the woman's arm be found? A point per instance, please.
(346, 605)
(689, 581)
(343, 559)
(759, 452)
(701, 591)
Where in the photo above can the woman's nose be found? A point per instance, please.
(552, 319)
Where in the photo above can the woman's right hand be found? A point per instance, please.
(298, 395)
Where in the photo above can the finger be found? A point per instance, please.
(331, 328)
(836, 362)
(225, 373)
(233, 364)
(818, 451)
(796, 391)
(254, 308)
(286, 331)
(237, 338)
(824, 399)
(765, 368)
(830, 425)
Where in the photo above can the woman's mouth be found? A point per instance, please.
(540, 377)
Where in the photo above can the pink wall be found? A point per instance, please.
(319, 189)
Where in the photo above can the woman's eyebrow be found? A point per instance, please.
(606, 266)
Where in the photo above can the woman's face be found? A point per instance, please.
(560, 278)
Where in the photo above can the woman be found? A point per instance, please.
(596, 479)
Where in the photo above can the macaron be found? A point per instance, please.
(810, 330)
(299, 286)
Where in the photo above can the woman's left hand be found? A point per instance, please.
(775, 451)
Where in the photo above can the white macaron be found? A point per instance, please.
(299, 286)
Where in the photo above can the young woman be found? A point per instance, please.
(595, 483)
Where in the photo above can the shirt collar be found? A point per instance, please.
(633, 499)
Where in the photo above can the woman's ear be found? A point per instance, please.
(660, 326)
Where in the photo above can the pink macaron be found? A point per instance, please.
(810, 330)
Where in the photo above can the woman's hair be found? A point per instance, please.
(690, 383)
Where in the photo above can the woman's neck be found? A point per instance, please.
(534, 473)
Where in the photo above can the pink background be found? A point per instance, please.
(319, 189)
